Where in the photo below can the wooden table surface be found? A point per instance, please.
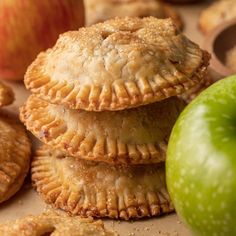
(27, 200)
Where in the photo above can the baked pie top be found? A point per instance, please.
(52, 223)
(118, 64)
(217, 13)
(137, 135)
(6, 95)
(14, 156)
(101, 10)
(97, 189)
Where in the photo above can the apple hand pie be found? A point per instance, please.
(135, 136)
(6, 95)
(118, 64)
(97, 189)
(101, 10)
(52, 223)
(14, 156)
(216, 14)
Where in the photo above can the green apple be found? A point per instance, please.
(201, 162)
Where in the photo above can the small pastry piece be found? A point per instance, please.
(118, 64)
(100, 190)
(52, 223)
(231, 59)
(216, 14)
(101, 10)
(137, 135)
(189, 95)
(6, 95)
(14, 156)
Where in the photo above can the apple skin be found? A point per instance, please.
(30, 26)
(201, 161)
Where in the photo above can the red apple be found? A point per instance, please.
(29, 26)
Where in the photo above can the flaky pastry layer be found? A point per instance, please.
(14, 156)
(118, 64)
(133, 136)
(100, 190)
(52, 223)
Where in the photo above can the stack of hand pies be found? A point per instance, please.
(105, 99)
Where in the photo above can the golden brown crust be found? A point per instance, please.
(188, 96)
(217, 13)
(134, 136)
(6, 95)
(130, 62)
(96, 189)
(52, 223)
(101, 10)
(14, 156)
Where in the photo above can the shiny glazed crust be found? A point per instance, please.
(217, 13)
(134, 136)
(96, 189)
(14, 156)
(101, 10)
(118, 64)
(6, 95)
(52, 223)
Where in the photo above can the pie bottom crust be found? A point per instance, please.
(53, 223)
(98, 189)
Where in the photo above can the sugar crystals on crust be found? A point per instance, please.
(118, 64)
(96, 189)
